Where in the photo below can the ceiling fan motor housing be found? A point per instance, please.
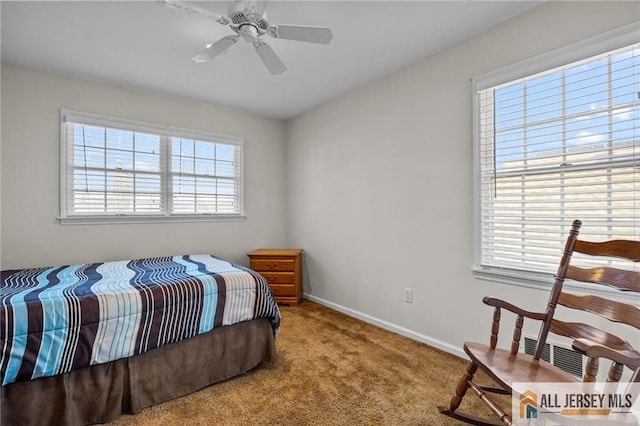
(246, 21)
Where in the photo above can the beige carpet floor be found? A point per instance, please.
(331, 370)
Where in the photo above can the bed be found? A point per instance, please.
(82, 344)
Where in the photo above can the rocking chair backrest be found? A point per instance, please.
(623, 280)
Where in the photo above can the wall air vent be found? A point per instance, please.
(530, 348)
(559, 355)
(568, 360)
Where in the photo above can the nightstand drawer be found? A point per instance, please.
(282, 270)
(273, 264)
(282, 290)
(278, 277)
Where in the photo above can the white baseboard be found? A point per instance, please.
(436, 343)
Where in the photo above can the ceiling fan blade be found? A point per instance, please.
(269, 57)
(320, 35)
(194, 10)
(261, 5)
(211, 50)
(254, 6)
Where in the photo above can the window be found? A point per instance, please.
(118, 170)
(553, 145)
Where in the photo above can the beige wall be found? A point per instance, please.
(380, 182)
(31, 234)
(376, 186)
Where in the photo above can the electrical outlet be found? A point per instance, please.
(408, 295)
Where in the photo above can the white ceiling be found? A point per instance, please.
(141, 44)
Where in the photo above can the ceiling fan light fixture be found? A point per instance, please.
(249, 33)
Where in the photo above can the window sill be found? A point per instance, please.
(112, 220)
(543, 282)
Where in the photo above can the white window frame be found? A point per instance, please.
(597, 45)
(165, 133)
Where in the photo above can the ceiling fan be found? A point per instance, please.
(248, 20)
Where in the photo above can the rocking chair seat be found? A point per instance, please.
(506, 369)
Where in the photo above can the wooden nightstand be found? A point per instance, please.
(282, 269)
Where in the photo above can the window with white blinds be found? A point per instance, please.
(204, 176)
(122, 170)
(551, 147)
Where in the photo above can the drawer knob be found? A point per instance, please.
(273, 279)
(272, 265)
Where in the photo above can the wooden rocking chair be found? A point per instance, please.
(506, 367)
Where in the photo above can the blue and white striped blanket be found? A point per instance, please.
(54, 320)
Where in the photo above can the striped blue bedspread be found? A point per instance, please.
(54, 320)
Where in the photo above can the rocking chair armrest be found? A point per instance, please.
(498, 303)
(630, 358)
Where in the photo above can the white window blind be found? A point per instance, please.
(204, 176)
(113, 171)
(118, 169)
(559, 145)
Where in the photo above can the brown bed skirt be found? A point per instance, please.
(102, 393)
